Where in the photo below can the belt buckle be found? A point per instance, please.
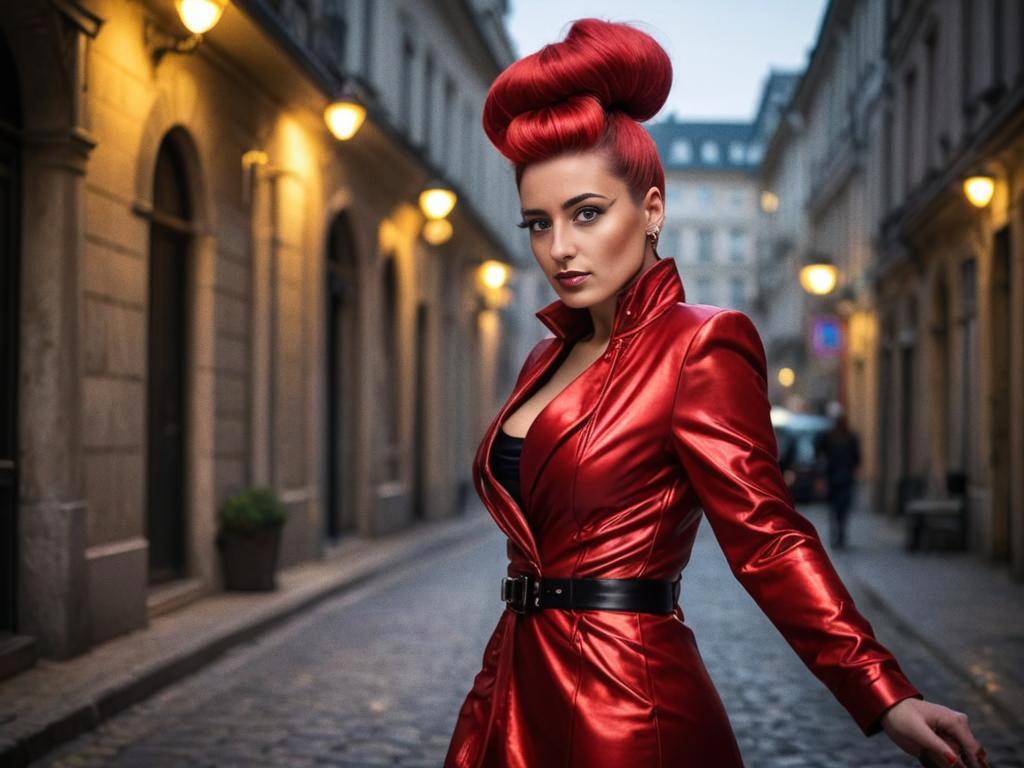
(515, 591)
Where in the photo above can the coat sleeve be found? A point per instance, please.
(721, 432)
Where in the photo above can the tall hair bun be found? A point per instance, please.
(562, 95)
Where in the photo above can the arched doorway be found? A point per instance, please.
(169, 246)
(10, 257)
(342, 370)
(967, 424)
(421, 430)
(940, 374)
(389, 371)
(1000, 416)
(889, 484)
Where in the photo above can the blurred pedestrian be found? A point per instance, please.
(838, 454)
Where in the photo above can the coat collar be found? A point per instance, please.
(641, 300)
(638, 304)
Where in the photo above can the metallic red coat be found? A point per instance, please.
(615, 472)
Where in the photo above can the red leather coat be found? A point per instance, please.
(615, 472)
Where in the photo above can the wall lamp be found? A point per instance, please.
(819, 276)
(197, 16)
(492, 280)
(437, 199)
(979, 190)
(437, 231)
(346, 112)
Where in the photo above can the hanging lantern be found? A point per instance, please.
(979, 190)
(437, 231)
(199, 16)
(437, 200)
(819, 277)
(494, 273)
(344, 118)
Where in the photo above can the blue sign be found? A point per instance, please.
(827, 337)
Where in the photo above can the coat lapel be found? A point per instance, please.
(503, 508)
(646, 297)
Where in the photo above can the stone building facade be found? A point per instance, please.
(902, 101)
(204, 291)
(949, 275)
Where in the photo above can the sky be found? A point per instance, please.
(721, 51)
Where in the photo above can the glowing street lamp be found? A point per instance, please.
(979, 190)
(437, 231)
(199, 16)
(344, 118)
(494, 273)
(819, 277)
(437, 200)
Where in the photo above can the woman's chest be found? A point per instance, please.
(605, 435)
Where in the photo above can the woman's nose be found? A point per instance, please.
(561, 243)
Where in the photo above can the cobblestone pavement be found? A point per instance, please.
(375, 677)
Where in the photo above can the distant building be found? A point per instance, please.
(710, 207)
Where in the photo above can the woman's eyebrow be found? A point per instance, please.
(567, 204)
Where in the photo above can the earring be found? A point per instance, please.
(652, 235)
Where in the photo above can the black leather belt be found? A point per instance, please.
(525, 592)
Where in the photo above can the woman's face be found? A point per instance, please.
(582, 219)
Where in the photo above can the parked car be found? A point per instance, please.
(795, 434)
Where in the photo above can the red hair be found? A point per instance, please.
(589, 91)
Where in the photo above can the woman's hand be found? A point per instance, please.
(933, 734)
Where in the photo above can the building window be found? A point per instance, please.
(709, 152)
(673, 193)
(739, 198)
(681, 151)
(703, 291)
(405, 83)
(704, 196)
(737, 245)
(447, 137)
(705, 245)
(737, 151)
(737, 293)
(754, 153)
(468, 125)
(668, 242)
(931, 86)
(368, 7)
(428, 100)
(909, 104)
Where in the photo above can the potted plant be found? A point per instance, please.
(249, 537)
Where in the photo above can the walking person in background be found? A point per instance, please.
(838, 454)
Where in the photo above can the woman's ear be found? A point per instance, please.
(654, 208)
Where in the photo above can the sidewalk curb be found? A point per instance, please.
(44, 735)
(894, 617)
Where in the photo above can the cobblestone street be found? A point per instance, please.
(375, 677)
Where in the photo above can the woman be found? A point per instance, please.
(638, 411)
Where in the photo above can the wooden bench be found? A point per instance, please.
(942, 518)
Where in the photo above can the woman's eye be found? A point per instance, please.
(528, 225)
(596, 211)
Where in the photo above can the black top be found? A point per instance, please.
(505, 462)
